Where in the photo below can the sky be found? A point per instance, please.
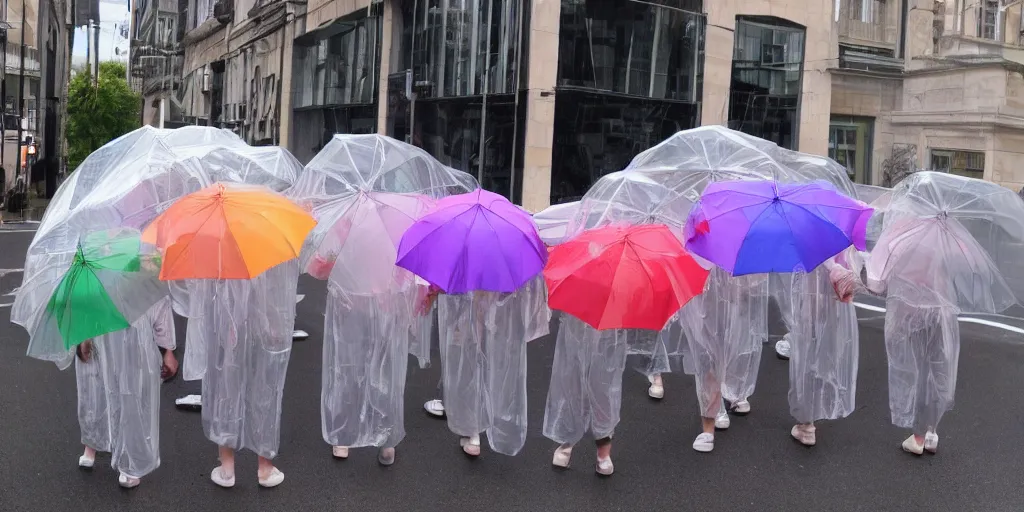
(112, 13)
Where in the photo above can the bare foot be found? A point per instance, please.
(169, 370)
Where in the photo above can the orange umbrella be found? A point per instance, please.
(228, 231)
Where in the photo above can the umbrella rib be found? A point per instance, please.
(504, 256)
(178, 261)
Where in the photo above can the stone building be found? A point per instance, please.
(539, 98)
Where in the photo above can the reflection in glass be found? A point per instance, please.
(335, 74)
(767, 68)
(629, 47)
(451, 131)
(629, 76)
(462, 47)
(597, 134)
(341, 69)
(465, 61)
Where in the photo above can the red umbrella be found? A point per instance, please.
(623, 277)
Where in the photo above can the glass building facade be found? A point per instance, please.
(629, 76)
(767, 71)
(464, 93)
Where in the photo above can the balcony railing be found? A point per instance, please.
(870, 22)
(13, 62)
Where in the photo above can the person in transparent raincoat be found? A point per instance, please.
(483, 339)
(585, 393)
(118, 377)
(824, 347)
(725, 328)
(369, 331)
(239, 342)
(948, 245)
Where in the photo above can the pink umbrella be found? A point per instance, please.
(361, 232)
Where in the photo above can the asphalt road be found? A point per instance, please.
(857, 464)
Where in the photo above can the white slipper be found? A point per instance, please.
(562, 456)
(299, 334)
(274, 479)
(471, 445)
(128, 482)
(217, 475)
(85, 462)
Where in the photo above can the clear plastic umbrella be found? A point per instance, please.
(716, 153)
(949, 244)
(376, 163)
(125, 183)
(951, 241)
(553, 222)
(270, 166)
(365, 191)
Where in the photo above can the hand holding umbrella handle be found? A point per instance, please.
(428, 301)
(84, 351)
(844, 282)
(150, 263)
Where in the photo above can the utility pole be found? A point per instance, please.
(96, 54)
(3, 96)
(21, 104)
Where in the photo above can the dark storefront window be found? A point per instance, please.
(629, 76)
(465, 61)
(335, 85)
(767, 70)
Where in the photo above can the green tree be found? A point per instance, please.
(99, 114)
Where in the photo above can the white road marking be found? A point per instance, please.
(2, 231)
(869, 307)
(969, 320)
(990, 323)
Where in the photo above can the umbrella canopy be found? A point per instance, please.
(375, 163)
(475, 241)
(361, 232)
(269, 166)
(100, 287)
(950, 240)
(553, 222)
(623, 277)
(715, 153)
(228, 231)
(750, 227)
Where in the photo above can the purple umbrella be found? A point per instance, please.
(753, 227)
(474, 241)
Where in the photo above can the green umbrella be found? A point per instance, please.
(88, 300)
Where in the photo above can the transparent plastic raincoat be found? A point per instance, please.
(725, 328)
(483, 360)
(948, 245)
(239, 343)
(824, 346)
(119, 392)
(585, 394)
(365, 191)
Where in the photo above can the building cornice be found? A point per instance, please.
(1000, 118)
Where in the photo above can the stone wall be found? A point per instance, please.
(874, 97)
(821, 53)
